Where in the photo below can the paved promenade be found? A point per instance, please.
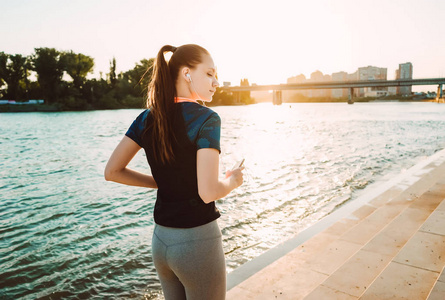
(389, 243)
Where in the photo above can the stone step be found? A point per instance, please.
(308, 266)
(354, 276)
(416, 268)
(438, 291)
(310, 263)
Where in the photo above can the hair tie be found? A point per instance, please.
(174, 49)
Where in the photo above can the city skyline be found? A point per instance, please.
(405, 71)
(266, 43)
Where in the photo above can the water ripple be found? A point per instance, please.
(66, 233)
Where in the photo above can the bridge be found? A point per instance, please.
(278, 88)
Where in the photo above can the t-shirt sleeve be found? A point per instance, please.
(210, 133)
(137, 128)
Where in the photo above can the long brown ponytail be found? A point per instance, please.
(162, 92)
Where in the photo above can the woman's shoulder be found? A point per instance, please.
(195, 115)
(199, 110)
(143, 115)
(209, 112)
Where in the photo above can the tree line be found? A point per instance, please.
(112, 91)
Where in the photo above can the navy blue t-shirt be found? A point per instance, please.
(178, 203)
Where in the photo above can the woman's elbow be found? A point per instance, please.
(108, 174)
(207, 196)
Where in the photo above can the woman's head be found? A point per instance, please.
(189, 73)
(193, 72)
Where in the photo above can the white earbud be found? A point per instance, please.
(192, 85)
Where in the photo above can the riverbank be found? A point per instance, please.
(388, 243)
(12, 108)
(29, 108)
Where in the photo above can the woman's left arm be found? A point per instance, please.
(117, 171)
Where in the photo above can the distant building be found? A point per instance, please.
(294, 94)
(353, 76)
(392, 90)
(405, 71)
(372, 73)
(297, 79)
(340, 93)
(327, 92)
(317, 76)
(226, 83)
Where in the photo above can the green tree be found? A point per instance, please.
(77, 65)
(49, 66)
(112, 75)
(95, 91)
(131, 87)
(14, 72)
(3, 68)
(18, 77)
(222, 98)
(139, 77)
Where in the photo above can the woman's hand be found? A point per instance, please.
(210, 187)
(236, 175)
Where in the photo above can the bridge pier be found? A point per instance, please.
(277, 97)
(439, 92)
(351, 96)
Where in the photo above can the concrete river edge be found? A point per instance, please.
(343, 245)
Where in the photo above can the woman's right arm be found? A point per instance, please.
(117, 171)
(210, 187)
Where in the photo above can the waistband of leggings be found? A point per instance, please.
(170, 235)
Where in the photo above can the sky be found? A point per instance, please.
(263, 41)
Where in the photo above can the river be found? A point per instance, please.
(67, 233)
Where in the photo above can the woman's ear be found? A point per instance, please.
(184, 72)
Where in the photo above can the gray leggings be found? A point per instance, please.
(190, 262)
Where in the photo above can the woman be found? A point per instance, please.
(181, 139)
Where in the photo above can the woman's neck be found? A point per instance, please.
(184, 99)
